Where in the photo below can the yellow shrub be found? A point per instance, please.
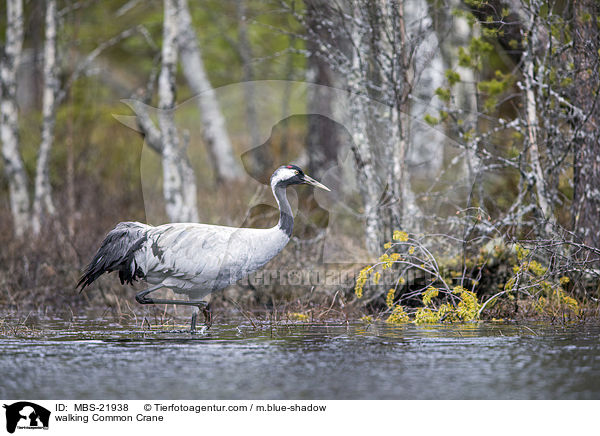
(398, 316)
(400, 236)
(430, 293)
(363, 275)
(389, 299)
(296, 316)
(425, 315)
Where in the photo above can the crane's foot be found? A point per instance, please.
(202, 306)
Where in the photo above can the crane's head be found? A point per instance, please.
(292, 175)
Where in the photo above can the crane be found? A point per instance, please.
(194, 259)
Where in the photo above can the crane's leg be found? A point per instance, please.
(140, 297)
(201, 305)
(193, 326)
(207, 315)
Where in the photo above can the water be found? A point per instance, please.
(99, 360)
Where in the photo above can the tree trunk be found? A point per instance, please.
(245, 51)
(261, 158)
(398, 76)
(323, 143)
(403, 85)
(586, 198)
(453, 32)
(9, 118)
(153, 138)
(531, 115)
(42, 201)
(369, 185)
(226, 167)
(177, 202)
(426, 151)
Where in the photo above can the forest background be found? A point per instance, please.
(460, 140)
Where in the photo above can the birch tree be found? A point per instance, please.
(533, 124)
(9, 118)
(180, 203)
(322, 143)
(454, 31)
(226, 167)
(378, 62)
(42, 201)
(364, 157)
(245, 51)
(586, 201)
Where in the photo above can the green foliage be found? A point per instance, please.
(479, 48)
(475, 4)
(543, 12)
(431, 120)
(443, 94)
(495, 87)
(453, 77)
(491, 32)
(464, 59)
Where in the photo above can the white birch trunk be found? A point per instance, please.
(226, 167)
(453, 32)
(188, 177)
(9, 118)
(532, 133)
(531, 116)
(396, 43)
(153, 138)
(363, 155)
(426, 151)
(42, 201)
(369, 187)
(176, 201)
(245, 51)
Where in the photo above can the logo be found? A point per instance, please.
(26, 415)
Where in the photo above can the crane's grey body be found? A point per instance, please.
(197, 259)
(194, 259)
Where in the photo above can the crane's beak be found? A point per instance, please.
(310, 181)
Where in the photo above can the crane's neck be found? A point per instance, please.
(286, 218)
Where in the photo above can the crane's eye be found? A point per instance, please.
(297, 172)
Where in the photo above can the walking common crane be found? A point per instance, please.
(194, 259)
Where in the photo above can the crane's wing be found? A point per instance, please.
(190, 255)
(118, 253)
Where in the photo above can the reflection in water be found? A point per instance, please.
(479, 360)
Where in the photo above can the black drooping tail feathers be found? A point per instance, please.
(117, 253)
